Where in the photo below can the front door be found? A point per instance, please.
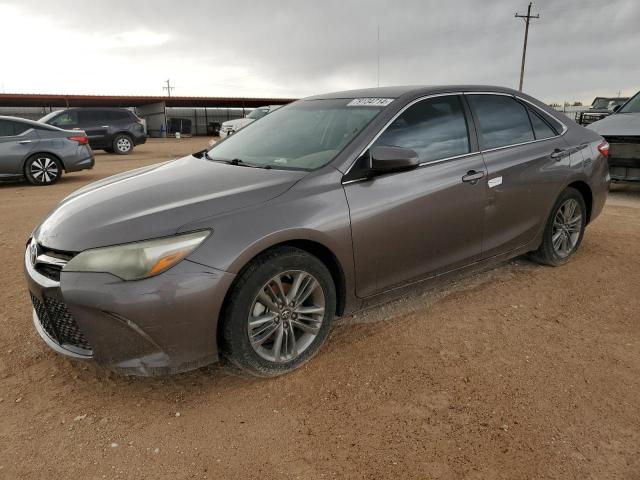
(414, 224)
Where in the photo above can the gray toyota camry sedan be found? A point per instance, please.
(251, 248)
(39, 152)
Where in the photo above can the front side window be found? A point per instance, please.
(502, 121)
(435, 128)
(304, 135)
(69, 118)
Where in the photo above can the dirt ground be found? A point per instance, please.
(520, 372)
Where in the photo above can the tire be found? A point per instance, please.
(256, 355)
(42, 169)
(571, 229)
(122, 144)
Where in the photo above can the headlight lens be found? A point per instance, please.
(134, 261)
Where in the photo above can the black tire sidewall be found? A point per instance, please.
(234, 339)
(27, 169)
(115, 148)
(548, 252)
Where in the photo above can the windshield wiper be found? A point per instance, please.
(241, 163)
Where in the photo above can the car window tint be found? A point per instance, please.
(540, 128)
(20, 127)
(502, 120)
(6, 128)
(435, 128)
(90, 117)
(66, 119)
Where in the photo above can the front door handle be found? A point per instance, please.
(559, 153)
(473, 176)
(22, 142)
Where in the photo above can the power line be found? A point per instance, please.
(378, 55)
(527, 18)
(168, 88)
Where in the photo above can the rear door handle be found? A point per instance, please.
(22, 142)
(104, 126)
(559, 153)
(473, 176)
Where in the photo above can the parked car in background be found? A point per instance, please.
(232, 126)
(622, 131)
(40, 153)
(600, 108)
(114, 130)
(332, 203)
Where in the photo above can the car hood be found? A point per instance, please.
(156, 201)
(618, 124)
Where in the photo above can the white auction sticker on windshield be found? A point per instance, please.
(369, 102)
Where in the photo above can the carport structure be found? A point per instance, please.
(158, 111)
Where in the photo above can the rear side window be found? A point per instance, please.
(117, 116)
(10, 128)
(6, 128)
(502, 121)
(435, 128)
(540, 128)
(91, 117)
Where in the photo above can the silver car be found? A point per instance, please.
(39, 152)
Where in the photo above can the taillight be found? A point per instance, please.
(79, 139)
(603, 148)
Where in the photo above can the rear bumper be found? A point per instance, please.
(161, 325)
(140, 139)
(83, 159)
(624, 159)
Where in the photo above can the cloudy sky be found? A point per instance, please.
(293, 48)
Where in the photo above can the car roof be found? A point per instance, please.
(24, 120)
(417, 90)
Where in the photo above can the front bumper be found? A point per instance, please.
(160, 325)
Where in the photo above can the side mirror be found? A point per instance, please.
(616, 108)
(392, 159)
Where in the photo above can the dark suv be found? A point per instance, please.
(115, 130)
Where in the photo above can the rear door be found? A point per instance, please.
(95, 123)
(527, 163)
(17, 141)
(414, 224)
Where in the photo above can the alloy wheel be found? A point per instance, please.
(567, 225)
(286, 316)
(44, 170)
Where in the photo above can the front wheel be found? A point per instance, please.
(43, 169)
(564, 229)
(279, 312)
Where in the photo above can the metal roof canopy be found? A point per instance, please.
(43, 100)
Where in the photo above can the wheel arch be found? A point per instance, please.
(587, 195)
(320, 251)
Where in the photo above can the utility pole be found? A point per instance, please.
(378, 55)
(527, 18)
(168, 88)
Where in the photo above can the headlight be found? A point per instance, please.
(133, 261)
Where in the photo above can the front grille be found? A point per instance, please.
(50, 262)
(58, 323)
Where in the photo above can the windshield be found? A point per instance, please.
(48, 116)
(600, 102)
(258, 113)
(304, 135)
(632, 106)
